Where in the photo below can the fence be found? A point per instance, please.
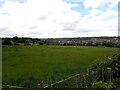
(41, 86)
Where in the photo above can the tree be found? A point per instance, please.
(90, 43)
(57, 43)
(7, 41)
(21, 40)
(40, 42)
(49, 41)
(15, 39)
(104, 43)
(28, 42)
(35, 40)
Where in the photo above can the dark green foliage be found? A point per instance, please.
(108, 72)
(49, 42)
(7, 41)
(101, 84)
(35, 40)
(40, 42)
(15, 39)
(28, 42)
(82, 41)
(116, 82)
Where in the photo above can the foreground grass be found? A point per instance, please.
(28, 65)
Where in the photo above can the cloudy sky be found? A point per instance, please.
(58, 18)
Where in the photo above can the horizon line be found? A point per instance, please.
(59, 37)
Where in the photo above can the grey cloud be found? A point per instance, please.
(86, 31)
(31, 34)
(43, 17)
(33, 27)
(65, 12)
(34, 33)
(70, 26)
(6, 32)
(74, 1)
(54, 20)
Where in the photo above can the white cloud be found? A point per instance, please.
(113, 3)
(107, 14)
(95, 12)
(99, 3)
(53, 18)
(94, 3)
(99, 25)
(95, 27)
(48, 16)
(73, 5)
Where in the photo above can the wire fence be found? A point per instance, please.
(85, 80)
(10, 86)
(61, 81)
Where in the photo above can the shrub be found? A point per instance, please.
(108, 71)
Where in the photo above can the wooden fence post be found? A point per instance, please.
(41, 86)
(87, 78)
(102, 74)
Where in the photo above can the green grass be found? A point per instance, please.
(28, 65)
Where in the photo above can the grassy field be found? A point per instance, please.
(26, 66)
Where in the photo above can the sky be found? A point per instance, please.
(58, 18)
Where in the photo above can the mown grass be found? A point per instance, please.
(28, 65)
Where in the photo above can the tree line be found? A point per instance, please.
(85, 41)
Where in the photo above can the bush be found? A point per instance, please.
(101, 84)
(108, 71)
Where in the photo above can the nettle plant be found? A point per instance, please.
(108, 73)
(101, 84)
